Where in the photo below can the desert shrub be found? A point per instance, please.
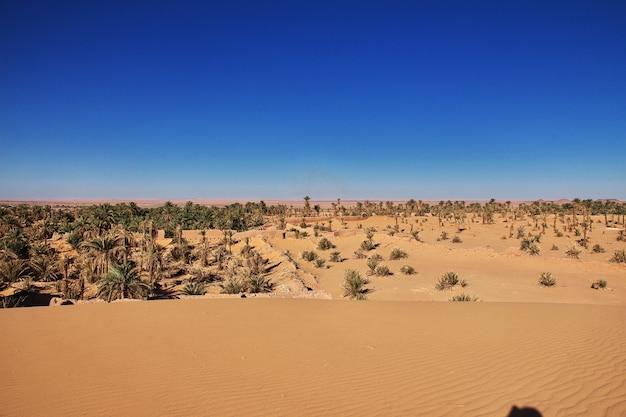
(303, 234)
(619, 256)
(464, 297)
(233, 285)
(447, 281)
(319, 263)
(372, 263)
(258, 283)
(463, 283)
(546, 279)
(599, 284)
(397, 253)
(407, 270)
(577, 232)
(520, 232)
(382, 271)
(354, 285)
(325, 244)
(367, 245)
(358, 254)
(443, 235)
(621, 236)
(456, 239)
(530, 246)
(583, 243)
(554, 247)
(558, 233)
(194, 288)
(598, 249)
(309, 255)
(573, 252)
(377, 256)
(335, 257)
(416, 235)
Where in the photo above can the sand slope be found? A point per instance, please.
(286, 357)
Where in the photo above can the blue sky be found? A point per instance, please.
(356, 100)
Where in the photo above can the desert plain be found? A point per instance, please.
(304, 348)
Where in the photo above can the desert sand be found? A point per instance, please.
(405, 351)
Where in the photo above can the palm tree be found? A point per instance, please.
(104, 248)
(307, 206)
(44, 269)
(122, 281)
(13, 270)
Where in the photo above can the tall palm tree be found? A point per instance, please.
(307, 206)
(122, 281)
(103, 248)
(44, 268)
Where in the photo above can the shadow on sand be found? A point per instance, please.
(523, 412)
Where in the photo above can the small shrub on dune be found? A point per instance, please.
(309, 255)
(233, 285)
(464, 297)
(397, 253)
(407, 270)
(325, 244)
(598, 249)
(367, 245)
(573, 252)
(382, 271)
(619, 256)
(335, 257)
(372, 263)
(546, 279)
(447, 281)
(319, 263)
(354, 285)
(456, 239)
(258, 284)
(443, 235)
(358, 254)
(554, 247)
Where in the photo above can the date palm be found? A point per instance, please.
(104, 248)
(122, 281)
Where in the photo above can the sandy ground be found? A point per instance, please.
(406, 351)
(286, 357)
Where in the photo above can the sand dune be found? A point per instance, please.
(284, 357)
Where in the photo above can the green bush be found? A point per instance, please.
(598, 249)
(447, 281)
(309, 255)
(464, 297)
(325, 244)
(397, 253)
(407, 270)
(619, 256)
(354, 285)
(335, 257)
(382, 271)
(367, 245)
(546, 279)
(194, 288)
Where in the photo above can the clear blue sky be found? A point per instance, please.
(264, 100)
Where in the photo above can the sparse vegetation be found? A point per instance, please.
(407, 270)
(319, 263)
(447, 281)
(573, 252)
(443, 235)
(358, 254)
(194, 288)
(325, 244)
(309, 255)
(367, 245)
(456, 239)
(335, 256)
(464, 297)
(382, 271)
(397, 253)
(619, 256)
(546, 279)
(597, 248)
(354, 285)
